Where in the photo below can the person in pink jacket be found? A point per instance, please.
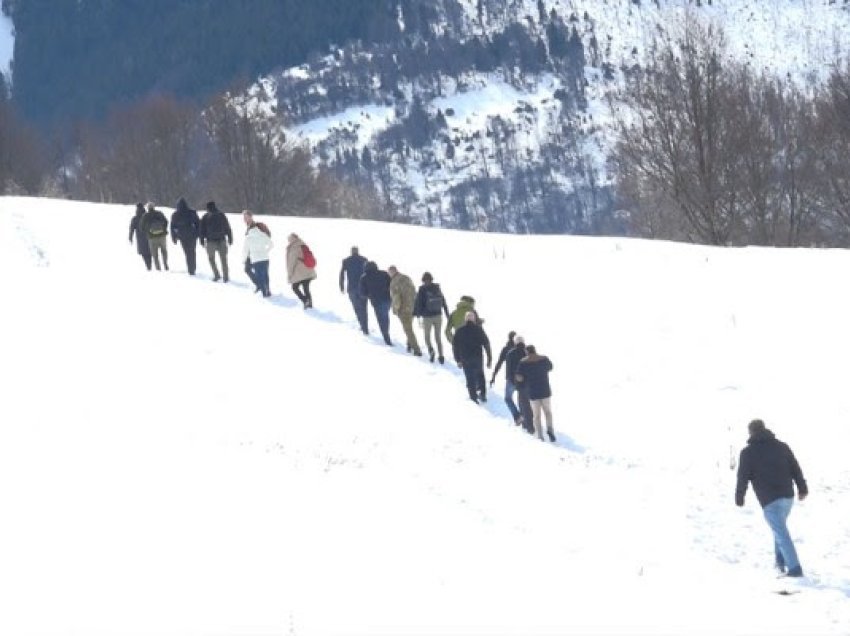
(299, 272)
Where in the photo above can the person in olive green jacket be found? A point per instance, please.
(403, 296)
(457, 318)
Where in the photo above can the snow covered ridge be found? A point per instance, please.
(189, 458)
(532, 139)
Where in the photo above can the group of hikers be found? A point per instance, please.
(526, 372)
(150, 228)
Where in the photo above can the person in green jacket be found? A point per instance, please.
(458, 316)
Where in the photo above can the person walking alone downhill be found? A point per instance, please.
(142, 245)
(216, 235)
(375, 285)
(155, 226)
(185, 227)
(773, 470)
(469, 344)
(300, 272)
(352, 270)
(429, 307)
(403, 297)
(255, 252)
(533, 372)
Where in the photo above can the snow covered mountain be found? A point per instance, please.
(179, 456)
(493, 114)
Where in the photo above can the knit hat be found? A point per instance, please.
(427, 278)
(756, 426)
(210, 206)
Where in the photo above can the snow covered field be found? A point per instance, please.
(183, 457)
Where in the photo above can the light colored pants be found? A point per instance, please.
(546, 406)
(407, 324)
(435, 324)
(159, 244)
(776, 513)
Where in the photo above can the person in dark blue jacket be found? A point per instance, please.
(375, 285)
(510, 389)
(512, 360)
(469, 344)
(350, 273)
(773, 470)
(142, 245)
(533, 373)
(184, 228)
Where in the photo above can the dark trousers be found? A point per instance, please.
(473, 370)
(382, 313)
(260, 276)
(302, 290)
(361, 309)
(218, 247)
(188, 246)
(146, 257)
(525, 410)
(249, 269)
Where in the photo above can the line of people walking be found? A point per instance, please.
(150, 226)
(526, 372)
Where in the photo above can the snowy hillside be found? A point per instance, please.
(179, 456)
(515, 131)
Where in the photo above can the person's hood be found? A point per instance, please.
(765, 435)
(182, 206)
(371, 266)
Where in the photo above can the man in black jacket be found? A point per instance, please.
(375, 285)
(184, 228)
(216, 235)
(509, 383)
(142, 245)
(352, 269)
(468, 345)
(532, 373)
(773, 470)
(155, 226)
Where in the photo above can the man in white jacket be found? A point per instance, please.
(255, 252)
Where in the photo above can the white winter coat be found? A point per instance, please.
(257, 245)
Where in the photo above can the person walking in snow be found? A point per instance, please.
(375, 285)
(525, 417)
(255, 252)
(510, 389)
(215, 235)
(142, 245)
(458, 316)
(349, 275)
(773, 470)
(429, 307)
(185, 226)
(155, 226)
(533, 372)
(403, 297)
(300, 271)
(469, 345)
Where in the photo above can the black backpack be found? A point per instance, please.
(433, 300)
(157, 226)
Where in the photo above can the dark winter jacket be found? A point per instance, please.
(142, 245)
(469, 342)
(771, 466)
(420, 306)
(352, 268)
(533, 374)
(154, 224)
(375, 284)
(185, 224)
(512, 361)
(503, 355)
(215, 227)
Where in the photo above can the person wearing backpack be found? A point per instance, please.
(403, 297)
(352, 270)
(458, 316)
(155, 226)
(375, 285)
(142, 245)
(429, 307)
(300, 268)
(216, 235)
(255, 251)
(533, 373)
(184, 228)
(468, 344)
